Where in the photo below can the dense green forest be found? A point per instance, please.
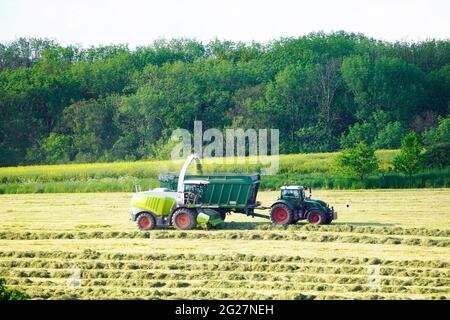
(323, 91)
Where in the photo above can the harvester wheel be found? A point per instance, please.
(316, 217)
(145, 221)
(184, 219)
(281, 214)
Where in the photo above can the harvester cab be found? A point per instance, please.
(193, 191)
(181, 208)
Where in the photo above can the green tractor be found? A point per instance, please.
(187, 201)
(293, 205)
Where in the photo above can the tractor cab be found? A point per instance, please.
(293, 194)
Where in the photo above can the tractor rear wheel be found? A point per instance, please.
(145, 221)
(281, 214)
(184, 219)
(316, 217)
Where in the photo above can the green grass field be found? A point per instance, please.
(387, 244)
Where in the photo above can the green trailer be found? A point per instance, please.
(234, 192)
(186, 201)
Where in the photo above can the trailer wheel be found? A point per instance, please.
(281, 214)
(184, 219)
(316, 217)
(145, 221)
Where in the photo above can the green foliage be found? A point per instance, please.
(437, 156)
(359, 161)
(91, 126)
(113, 103)
(438, 135)
(378, 131)
(409, 159)
(438, 84)
(385, 83)
(359, 132)
(390, 136)
(162, 150)
(10, 294)
(56, 148)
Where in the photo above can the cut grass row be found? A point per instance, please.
(142, 270)
(238, 227)
(231, 246)
(214, 293)
(102, 292)
(236, 276)
(241, 235)
(139, 271)
(240, 284)
(174, 280)
(217, 258)
(132, 264)
(237, 280)
(249, 275)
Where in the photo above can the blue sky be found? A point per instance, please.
(139, 22)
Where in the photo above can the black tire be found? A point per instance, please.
(329, 218)
(145, 221)
(316, 217)
(281, 214)
(223, 215)
(184, 219)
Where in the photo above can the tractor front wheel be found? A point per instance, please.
(329, 219)
(316, 217)
(281, 214)
(184, 219)
(145, 221)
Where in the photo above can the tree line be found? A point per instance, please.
(322, 91)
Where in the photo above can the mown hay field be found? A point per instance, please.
(387, 244)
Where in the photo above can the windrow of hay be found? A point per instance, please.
(241, 235)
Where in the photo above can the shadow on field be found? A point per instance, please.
(364, 224)
(234, 225)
